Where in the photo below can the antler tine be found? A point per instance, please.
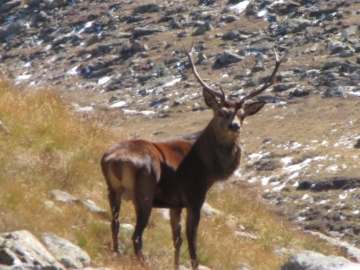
(203, 84)
(268, 83)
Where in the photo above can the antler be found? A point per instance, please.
(266, 85)
(221, 95)
(204, 85)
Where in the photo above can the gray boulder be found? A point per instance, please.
(226, 58)
(21, 250)
(293, 26)
(70, 255)
(147, 8)
(145, 31)
(9, 5)
(308, 260)
(11, 29)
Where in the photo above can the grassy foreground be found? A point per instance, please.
(49, 147)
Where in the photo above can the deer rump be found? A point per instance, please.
(149, 167)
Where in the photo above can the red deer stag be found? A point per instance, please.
(150, 173)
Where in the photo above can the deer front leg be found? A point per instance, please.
(192, 224)
(175, 221)
(115, 203)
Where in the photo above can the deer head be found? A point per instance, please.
(229, 115)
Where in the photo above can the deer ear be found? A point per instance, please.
(210, 100)
(253, 108)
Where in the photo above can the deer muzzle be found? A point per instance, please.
(234, 126)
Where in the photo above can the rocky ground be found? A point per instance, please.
(122, 63)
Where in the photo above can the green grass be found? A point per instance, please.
(49, 147)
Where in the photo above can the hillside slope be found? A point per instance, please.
(120, 66)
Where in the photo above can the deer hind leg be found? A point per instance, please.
(115, 203)
(175, 221)
(143, 200)
(192, 223)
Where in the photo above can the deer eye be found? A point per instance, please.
(220, 113)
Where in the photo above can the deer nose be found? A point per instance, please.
(234, 127)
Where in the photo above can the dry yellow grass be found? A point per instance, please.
(51, 148)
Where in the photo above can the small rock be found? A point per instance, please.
(357, 144)
(3, 128)
(126, 228)
(210, 211)
(281, 87)
(94, 208)
(62, 196)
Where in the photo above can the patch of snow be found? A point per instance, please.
(130, 112)
(240, 7)
(286, 160)
(297, 167)
(257, 156)
(305, 197)
(262, 13)
(23, 77)
(320, 158)
(342, 196)
(357, 93)
(87, 25)
(134, 112)
(85, 109)
(293, 175)
(38, 41)
(119, 104)
(279, 188)
(48, 47)
(296, 145)
(74, 71)
(332, 168)
(29, 64)
(180, 67)
(237, 173)
(104, 80)
(252, 180)
(347, 142)
(265, 180)
(171, 83)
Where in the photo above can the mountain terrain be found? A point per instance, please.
(122, 65)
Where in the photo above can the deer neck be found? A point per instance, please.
(220, 157)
